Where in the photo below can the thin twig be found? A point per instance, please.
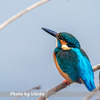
(29, 90)
(61, 86)
(53, 91)
(99, 80)
(22, 13)
(92, 93)
(97, 67)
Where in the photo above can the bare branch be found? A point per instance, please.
(27, 91)
(53, 91)
(92, 93)
(97, 67)
(22, 13)
(61, 86)
(99, 80)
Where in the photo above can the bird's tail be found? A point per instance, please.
(89, 83)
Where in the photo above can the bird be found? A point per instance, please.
(71, 60)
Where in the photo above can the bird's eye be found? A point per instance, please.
(60, 37)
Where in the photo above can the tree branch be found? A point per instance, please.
(92, 93)
(97, 67)
(53, 91)
(60, 87)
(22, 13)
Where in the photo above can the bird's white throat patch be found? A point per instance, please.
(65, 47)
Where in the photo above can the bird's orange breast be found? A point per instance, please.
(60, 71)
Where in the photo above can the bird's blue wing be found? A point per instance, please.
(84, 69)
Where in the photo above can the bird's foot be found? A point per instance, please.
(65, 81)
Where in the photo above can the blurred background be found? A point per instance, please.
(26, 51)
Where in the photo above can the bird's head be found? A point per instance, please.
(65, 40)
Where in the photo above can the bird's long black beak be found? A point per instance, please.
(53, 33)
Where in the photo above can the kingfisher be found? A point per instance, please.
(71, 60)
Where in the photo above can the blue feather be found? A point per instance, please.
(84, 69)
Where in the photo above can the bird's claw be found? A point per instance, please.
(65, 81)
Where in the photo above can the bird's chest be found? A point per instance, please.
(65, 62)
(66, 58)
